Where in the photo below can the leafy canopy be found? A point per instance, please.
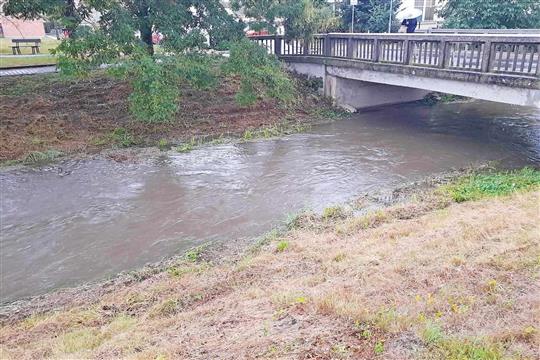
(301, 19)
(489, 14)
(369, 15)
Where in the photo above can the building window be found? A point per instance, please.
(428, 8)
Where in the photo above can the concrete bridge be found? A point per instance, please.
(365, 70)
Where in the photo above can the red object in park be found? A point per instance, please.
(156, 38)
(257, 33)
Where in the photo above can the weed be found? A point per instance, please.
(282, 246)
(79, 340)
(339, 257)
(491, 286)
(121, 323)
(477, 186)
(192, 268)
(122, 137)
(367, 221)
(379, 347)
(333, 213)
(188, 146)
(431, 333)
(529, 332)
(166, 308)
(38, 157)
(266, 239)
(194, 254)
(363, 329)
(456, 349)
(248, 135)
(163, 144)
(340, 350)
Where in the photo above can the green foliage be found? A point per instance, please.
(474, 14)
(122, 137)
(300, 18)
(195, 254)
(282, 246)
(455, 349)
(432, 333)
(477, 186)
(379, 348)
(369, 16)
(261, 75)
(156, 82)
(304, 18)
(333, 212)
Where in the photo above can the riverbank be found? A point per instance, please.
(449, 272)
(44, 116)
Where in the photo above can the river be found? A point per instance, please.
(85, 220)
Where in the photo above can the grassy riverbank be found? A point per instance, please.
(47, 114)
(451, 273)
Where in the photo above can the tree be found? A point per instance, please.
(301, 19)
(69, 13)
(124, 23)
(369, 15)
(489, 14)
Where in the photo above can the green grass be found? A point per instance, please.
(282, 246)
(38, 157)
(481, 185)
(9, 62)
(46, 45)
(455, 349)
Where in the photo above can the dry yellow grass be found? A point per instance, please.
(451, 282)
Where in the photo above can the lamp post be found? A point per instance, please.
(390, 17)
(353, 4)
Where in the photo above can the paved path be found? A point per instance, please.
(28, 70)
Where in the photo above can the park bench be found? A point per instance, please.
(33, 43)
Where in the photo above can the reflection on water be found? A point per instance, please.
(85, 220)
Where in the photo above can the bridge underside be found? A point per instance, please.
(358, 85)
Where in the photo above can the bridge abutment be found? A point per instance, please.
(359, 95)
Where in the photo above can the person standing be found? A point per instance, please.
(410, 24)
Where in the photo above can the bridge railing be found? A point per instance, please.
(487, 53)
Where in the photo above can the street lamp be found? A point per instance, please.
(390, 17)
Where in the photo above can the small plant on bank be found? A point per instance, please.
(195, 254)
(379, 348)
(163, 144)
(333, 213)
(38, 157)
(282, 246)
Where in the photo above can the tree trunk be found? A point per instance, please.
(146, 28)
(72, 17)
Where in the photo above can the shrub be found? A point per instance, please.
(261, 74)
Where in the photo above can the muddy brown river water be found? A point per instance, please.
(80, 221)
